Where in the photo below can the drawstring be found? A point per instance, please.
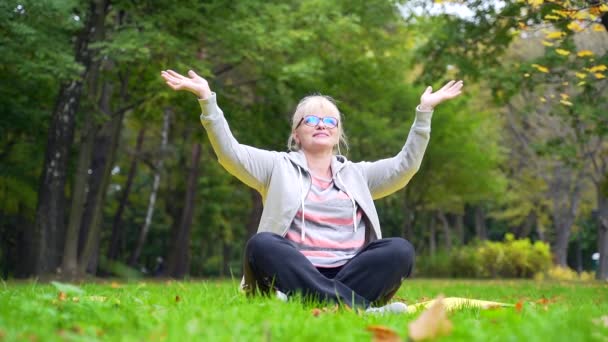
(354, 205)
(302, 203)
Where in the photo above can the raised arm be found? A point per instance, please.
(389, 175)
(251, 165)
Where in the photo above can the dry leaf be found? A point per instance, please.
(62, 296)
(431, 323)
(177, 299)
(115, 285)
(601, 321)
(519, 306)
(315, 312)
(381, 333)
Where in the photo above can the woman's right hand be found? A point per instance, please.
(194, 84)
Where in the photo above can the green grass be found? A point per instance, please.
(216, 311)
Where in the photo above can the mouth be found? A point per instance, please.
(317, 135)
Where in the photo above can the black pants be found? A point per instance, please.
(372, 276)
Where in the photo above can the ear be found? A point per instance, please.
(296, 139)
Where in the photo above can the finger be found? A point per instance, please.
(447, 85)
(172, 86)
(167, 76)
(193, 74)
(428, 90)
(175, 74)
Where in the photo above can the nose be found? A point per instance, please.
(321, 124)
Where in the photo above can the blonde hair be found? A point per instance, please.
(313, 105)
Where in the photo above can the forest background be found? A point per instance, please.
(105, 171)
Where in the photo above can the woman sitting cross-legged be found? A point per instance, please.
(319, 234)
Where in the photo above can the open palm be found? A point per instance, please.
(449, 91)
(194, 84)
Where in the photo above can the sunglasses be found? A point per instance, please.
(313, 121)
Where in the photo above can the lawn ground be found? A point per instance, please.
(216, 311)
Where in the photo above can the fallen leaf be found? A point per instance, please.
(456, 303)
(519, 306)
(602, 321)
(115, 285)
(431, 323)
(62, 296)
(316, 312)
(177, 299)
(381, 333)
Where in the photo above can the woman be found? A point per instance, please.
(319, 234)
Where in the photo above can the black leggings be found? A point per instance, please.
(373, 275)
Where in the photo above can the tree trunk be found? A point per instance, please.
(447, 234)
(49, 225)
(179, 255)
(432, 236)
(602, 241)
(117, 233)
(158, 167)
(106, 143)
(226, 251)
(255, 214)
(564, 209)
(79, 194)
(459, 224)
(407, 231)
(480, 224)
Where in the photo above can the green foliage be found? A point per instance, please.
(513, 258)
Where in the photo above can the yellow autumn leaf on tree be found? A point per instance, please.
(540, 68)
(564, 96)
(542, 99)
(585, 53)
(562, 52)
(566, 103)
(604, 8)
(596, 68)
(546, 43)
(599, 76)
(574, 26)
(581, 83)
(597, 27)
(555, 35)
(535, 3)
(552, 17)
(581, 75)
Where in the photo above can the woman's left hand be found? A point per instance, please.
(430, 100)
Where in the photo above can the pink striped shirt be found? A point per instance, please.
(330, 238)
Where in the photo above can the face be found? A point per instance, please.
(319, 137)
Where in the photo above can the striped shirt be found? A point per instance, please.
(330, 238)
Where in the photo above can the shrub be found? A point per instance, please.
(512, 258)
(564, 273)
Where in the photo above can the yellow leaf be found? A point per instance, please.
(552, 17)
(546, 43)
(596, 68)
(561, 13)
(574, 26)
(604, 8)
(565, 83)
(597, 27)
(599, 76)
(535, 3)
(562, 52)
(581, 75)
(432, 323)
(566, 103)
(564, 96)
(581, 83)
(540, 68)
(555, 35)
(526, 75)
(585, 53)
(542, 99)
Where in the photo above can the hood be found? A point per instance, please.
(299, 158)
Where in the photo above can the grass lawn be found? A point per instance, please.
(216, 311)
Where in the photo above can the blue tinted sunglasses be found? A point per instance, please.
(313, 121)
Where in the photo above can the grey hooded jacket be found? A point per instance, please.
(283, 178)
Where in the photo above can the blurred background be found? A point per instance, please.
(106, 172)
